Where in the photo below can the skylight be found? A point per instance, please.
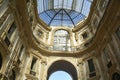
(63, 12)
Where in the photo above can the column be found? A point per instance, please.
(43, 65)
(80, 70)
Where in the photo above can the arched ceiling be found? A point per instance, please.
(63, 12)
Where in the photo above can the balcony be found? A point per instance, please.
(69, 49)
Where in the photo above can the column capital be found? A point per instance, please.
(79, 62)
(44, 61)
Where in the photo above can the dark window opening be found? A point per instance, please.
(39, 33)
(7, 41)
(85, 35)
(33, 66)
(27, 1)
(11, 30)
(87, 44)
(0, 60)
(118, 33)
(91, 68)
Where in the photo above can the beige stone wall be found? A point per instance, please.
(30, 31)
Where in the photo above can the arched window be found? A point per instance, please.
(61, 40)
(0, 60)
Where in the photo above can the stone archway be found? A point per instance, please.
(116, 76)
(63, 65)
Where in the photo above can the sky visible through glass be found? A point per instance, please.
(60, 75)
(63, 12)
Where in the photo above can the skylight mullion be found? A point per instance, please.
(63, 12)
(82, 5)
(69, 17)
(48, 14)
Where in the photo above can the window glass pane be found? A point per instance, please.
(118, 33)
(91, 65)
(86, 7)
(79, 5)
(61, 40)
(11, 30)
(7, 41)
(63, 10)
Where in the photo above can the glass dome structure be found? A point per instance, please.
(63, 12)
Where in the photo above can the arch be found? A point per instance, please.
(62, 28)
(63, 65)
(116, 76)
(1, 60)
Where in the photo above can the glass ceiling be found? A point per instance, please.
(63, 12)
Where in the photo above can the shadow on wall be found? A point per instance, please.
(0, 61)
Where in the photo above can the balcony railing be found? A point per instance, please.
(92, 74)
(60, 48)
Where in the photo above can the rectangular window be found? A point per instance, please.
(7, 41)
(33, 66)
(118, 33)
(85, 35)
(91, 68)
(11, 30)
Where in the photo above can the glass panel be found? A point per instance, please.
(45, 17)
(63, 11)
(91, 65)
(79, 5)
(61, 40)
(86, 7)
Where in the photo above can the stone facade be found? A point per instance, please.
(26, 43)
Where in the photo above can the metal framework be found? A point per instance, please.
(63, 12)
